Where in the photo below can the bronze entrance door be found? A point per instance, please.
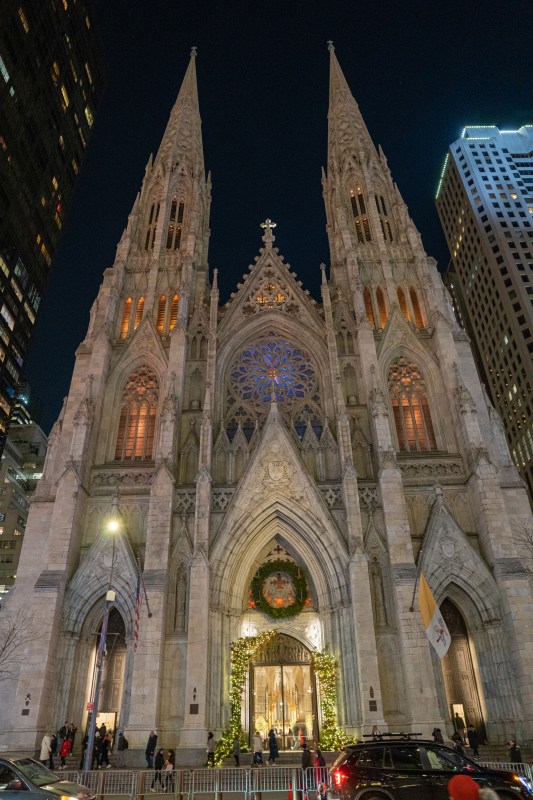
(283, 694)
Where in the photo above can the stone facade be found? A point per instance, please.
(351, 436)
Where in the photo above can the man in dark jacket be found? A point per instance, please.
(473, 739)
(150, 749)
(306, 757)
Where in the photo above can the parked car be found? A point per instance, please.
(392, 769)
(20, 774)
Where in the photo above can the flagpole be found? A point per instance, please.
(144, 590)
(417, 578)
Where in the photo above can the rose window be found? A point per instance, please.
(270, 367)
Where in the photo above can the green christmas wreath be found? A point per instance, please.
(300, 589)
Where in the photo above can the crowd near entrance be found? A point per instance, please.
(283, 693)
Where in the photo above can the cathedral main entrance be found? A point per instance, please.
(283, 693)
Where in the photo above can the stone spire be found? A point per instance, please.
(182, 140)
(347, 132)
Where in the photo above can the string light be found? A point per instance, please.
(331, 736)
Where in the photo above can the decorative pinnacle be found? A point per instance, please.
(268, 226)
(193, 51)
(331, 46)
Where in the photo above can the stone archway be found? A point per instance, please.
(283, 692)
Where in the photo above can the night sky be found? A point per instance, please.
(419, 71)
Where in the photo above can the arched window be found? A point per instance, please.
(161, 308)
(136, 428)
(417, 311)
(175, 223)
(138, 313)
(402, 302)
(173, 312)
(362, 226)
(383, 218)
(151, 226)
(126, 316)
(382, 308)
(410, 406)
(368, 306)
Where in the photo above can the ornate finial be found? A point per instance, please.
(193, 51)
(331, 46)
(268, 226)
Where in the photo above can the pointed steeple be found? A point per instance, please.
(347, 132)
(182, 140)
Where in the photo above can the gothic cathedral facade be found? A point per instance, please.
(276, 464)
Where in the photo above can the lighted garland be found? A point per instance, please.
(331, 736)
(241, 652)
(300, 589)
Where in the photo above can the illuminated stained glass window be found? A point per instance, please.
(410, 407)
(273, 366)
(135, 438)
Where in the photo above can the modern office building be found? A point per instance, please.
(21, 466)
(279, 469)
(51, 77)
(485, 204)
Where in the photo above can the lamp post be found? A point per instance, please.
(112, 527)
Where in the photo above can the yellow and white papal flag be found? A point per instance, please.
(434, 624)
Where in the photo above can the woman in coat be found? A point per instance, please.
(158, 766)
(273, 751)
(170, 764)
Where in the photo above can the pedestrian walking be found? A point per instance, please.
(273, 751)
(170, 763)
(515, 756)
(122, 746)
(104, 752)
(53, 750)
(437, 736)
(460, 726)
(150, 749)
(237, 751)
(65, 750)
(473, 740)
(45, 748)
(159, 763)
(84, 743)
(210, 749)
(258, 750)
(62, 733)
(95, 759)
(306, 757)
(320, 768)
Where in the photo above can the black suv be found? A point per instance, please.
(389, 769)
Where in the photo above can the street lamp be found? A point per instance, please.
(112, 527)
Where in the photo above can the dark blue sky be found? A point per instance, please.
(420, 71)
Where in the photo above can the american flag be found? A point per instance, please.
(138, 604)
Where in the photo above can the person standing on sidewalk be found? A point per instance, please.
(210, 749)
(473, 740)
(122, 746)
(258, 750)
(150, 749)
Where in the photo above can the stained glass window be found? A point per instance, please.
(135, 438)
(412, 416)
(272, 366)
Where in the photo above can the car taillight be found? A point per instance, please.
(338, 777)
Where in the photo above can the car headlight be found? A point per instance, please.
(524, 781)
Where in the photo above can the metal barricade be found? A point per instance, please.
(109, 783)
(283, 780)
(218, 782)
(313, 777)
(176, 784)
(522, 769)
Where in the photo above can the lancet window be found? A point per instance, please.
(382, 308)
(175, 224)
(384, 218)
(136, 428)
(417, 311)
(161, 312)
(151, 227)
(402, 302)
(139, 308)
(173, 312)
(362, 225)
(126, 317)
(410, 406)
(367, 297)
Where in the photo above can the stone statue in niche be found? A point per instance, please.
(377, 591)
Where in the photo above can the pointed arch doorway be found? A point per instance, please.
(283, 692)
(460, 682)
